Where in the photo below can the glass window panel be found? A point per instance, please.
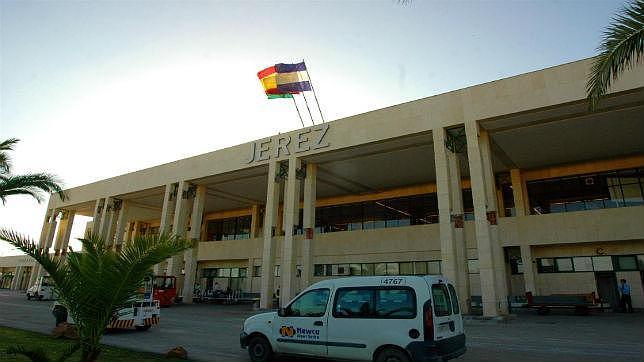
(628, 262)
(276, 270)
(243, 272)
(602, 263)
(557, 207)
(632, 195)
(420, 268)
(393, 269)
(454, 298)
(368, 269)
(374, 215)
(406, 268)
(354, 303)
(546, 265)
(442, 304)
(473, 266)
(564, 264)
(434, 267)
(328, 270)
(582, 263)
(318, 270)
(234, 273)
(575, 206)
(595, 204)
(309, 304)
(381, 269)
(243, 227)
(395, 303)
(341, 269)
(223, 272)
(355, 269)
(640, 261)
(228, 228)
(616, 196)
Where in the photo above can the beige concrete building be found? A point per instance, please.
(504, 187)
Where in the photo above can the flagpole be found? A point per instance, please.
(298, 110)
(307, 107)
(314, 94)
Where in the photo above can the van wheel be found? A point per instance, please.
(40, 297)
(392, 355)
(259, 350)
(142, 328)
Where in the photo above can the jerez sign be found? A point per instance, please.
(311, 138)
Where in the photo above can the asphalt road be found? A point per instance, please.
(211, 333)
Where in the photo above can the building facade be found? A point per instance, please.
(504, 187)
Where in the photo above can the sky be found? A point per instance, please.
(95, 89)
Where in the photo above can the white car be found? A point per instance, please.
(392, 319)
(42, 290)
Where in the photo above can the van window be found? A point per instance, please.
(309, 304)
(452, 294)
(396, 303)
(442, 305)
(375, 302)
(354, 303)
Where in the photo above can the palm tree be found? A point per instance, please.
(95, 284)
(621, 48)
(33, 184)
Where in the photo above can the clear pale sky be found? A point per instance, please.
(101, 88)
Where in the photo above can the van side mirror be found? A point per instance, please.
(281, 312)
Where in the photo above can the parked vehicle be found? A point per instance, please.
(143, 313)
(42, 290)
(402, 318)
(165, 289)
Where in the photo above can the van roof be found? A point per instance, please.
(376, 281)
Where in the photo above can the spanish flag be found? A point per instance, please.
(283, 80)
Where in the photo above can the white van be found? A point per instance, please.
(42, 290)
(402, 318)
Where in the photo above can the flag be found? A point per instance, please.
(284, 79)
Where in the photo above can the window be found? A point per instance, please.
(392, 269)
(420, 268)
(318, 270)
(381, 269)
(234, 228)
(395, 303)
(452, 294)
(354, 303)
(433, 267)
(257, 271)
(602, 263)
(406, 268)
(376, 302)
(355, 269)
(582, 263)
(368, 269)
(640, 261)
(564, 264)
(626, 263)
(546, 265)
(276, 271)
(473, 266)
(442, 304)
(309, 304)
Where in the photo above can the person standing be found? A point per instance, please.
(625, 290)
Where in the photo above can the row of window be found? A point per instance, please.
(591, 263)
(368, 269)
(224, 273)
(232, 228)
(587, 192)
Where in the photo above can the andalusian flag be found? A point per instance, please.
(283, 80)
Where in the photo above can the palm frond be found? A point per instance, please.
(5, 160)
(621, 48)
(7, 145)
(30, 184)
(68, 352)
(35, 355)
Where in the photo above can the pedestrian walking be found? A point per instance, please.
(625, 290)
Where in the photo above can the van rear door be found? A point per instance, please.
(446, 323)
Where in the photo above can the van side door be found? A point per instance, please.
(301, 328)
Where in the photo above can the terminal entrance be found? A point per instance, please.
(607, 288)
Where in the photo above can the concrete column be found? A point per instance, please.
(254, 223)
(41, 241)
(517, 192)
(17, 278)
(443, 185)
(460, 245)
(489, 292)
(105, 219)
(113, 209)
(310, 195)
(119, 228)
(493, 214)
(64, 232)
(166, 215)
(179, 226)
(136, 230)
(191, 256)
(270, 223)
(291, 220)
(528, 269)
(96, 221)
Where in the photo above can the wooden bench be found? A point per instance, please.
(581, 303)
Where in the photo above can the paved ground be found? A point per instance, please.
(211, 333)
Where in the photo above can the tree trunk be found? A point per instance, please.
(90, 353)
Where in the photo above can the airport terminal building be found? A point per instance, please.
(504, 187)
